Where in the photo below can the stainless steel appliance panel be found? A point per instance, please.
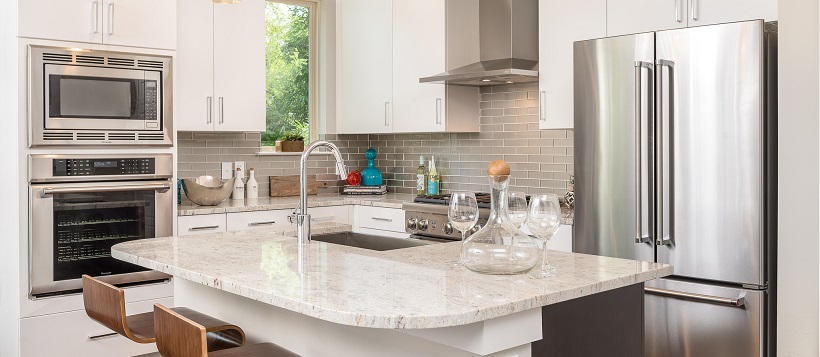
(710, 113)
(613, 146)
(697, 327)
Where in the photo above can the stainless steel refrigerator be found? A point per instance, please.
(674, 163)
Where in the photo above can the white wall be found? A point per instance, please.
(10, 212)
(799, 157)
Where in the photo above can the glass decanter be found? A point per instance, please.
(499, 247)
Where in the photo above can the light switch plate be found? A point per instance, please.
(240, 165)
(227, 170)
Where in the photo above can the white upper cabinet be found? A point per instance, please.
(418, 51)
(221, 66)
(560, 23)
(365, 66)
(710, 12)
(135, 23)
(636, 16)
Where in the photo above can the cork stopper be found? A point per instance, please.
(499, 169)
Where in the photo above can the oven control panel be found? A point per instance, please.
(97, 167)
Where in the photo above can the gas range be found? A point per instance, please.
(426, 217)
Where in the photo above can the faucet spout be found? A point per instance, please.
(300, 215)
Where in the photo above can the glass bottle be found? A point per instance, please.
(421, 178)
(433, 178)
(499, 247)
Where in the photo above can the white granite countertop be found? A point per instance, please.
(409, 288)
(390, 200)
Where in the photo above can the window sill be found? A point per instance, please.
(279, 153)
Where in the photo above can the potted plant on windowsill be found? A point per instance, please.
(292, 142)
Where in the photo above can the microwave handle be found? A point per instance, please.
(48, 191)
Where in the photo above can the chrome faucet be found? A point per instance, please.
(300, 215)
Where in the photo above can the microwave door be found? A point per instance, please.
(90, 98)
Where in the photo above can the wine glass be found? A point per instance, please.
(463, 214)
(543, 220)
(517, 208)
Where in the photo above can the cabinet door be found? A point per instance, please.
(364, 66)
(709, 12)
(194, 67)
(200, 224)
(560, 24)
(635, 16)
(418, 51)
(140, 23)
(336, 214)
(68, 20)
(239, 66)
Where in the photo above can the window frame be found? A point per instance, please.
(313, 63)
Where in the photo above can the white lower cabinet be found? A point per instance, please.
(75, 334)
(258, 219)
(379, 221)
(337, 214)
(205, 223)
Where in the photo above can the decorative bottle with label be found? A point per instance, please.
(433, 178)
(421, 178)
(251, 187)
(238, 186)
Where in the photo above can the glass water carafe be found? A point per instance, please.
(499, 247)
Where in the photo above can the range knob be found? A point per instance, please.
(475, 228)
(422, 225)
(411, 224)
(448, 228)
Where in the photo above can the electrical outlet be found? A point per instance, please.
(239, 165)
(227, 170)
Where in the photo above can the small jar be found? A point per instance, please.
(499, 247)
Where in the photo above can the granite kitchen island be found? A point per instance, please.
(335, 300)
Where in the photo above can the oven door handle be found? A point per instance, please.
(48, 191)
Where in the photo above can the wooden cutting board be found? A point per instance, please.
(285, 186)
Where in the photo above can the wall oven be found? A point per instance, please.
(81, 205)
(81, 97)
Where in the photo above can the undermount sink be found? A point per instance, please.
(367, 241)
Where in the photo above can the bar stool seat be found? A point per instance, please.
(179, 336)
(105, 304)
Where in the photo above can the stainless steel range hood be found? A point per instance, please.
(490, 42)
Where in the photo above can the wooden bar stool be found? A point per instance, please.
(105, 304)
(178, 336)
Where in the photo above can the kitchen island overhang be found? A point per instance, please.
(412, 290)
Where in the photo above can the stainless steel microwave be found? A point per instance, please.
(83, 97)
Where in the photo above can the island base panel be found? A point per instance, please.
(609, 323)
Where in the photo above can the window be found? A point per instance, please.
(290, 75)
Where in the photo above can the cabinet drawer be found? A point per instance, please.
(206, 223)
(75, 334)
(381, 218)
(338, 214)
(259, 219)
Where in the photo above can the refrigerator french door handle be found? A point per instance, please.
(739, 301)
(639, 237)
(659, 150)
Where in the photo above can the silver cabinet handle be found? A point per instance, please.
(382, 219)
(739, 301)
(639, 66)
(95, 21)
(266, 223)
(677, 11)
(438, 110)
(317, 219)
(209, 110)
(105, 335)
(111, 19)
(542, 104)
(386, 113)
(63, 190)
(693, 5)
(221, 111)
(660, 176)
(203, 228)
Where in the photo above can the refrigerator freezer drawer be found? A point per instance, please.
(702, 326)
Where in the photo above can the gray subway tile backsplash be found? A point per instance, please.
(541, 160)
